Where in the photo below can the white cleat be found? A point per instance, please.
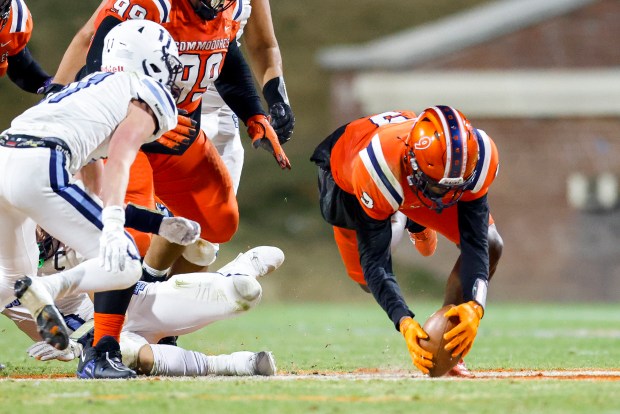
(33, 294)
(247, 287)
(264, 363)
(256, 262)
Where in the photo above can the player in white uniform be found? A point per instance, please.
(218, 121)
(181, 305)
(106, 114)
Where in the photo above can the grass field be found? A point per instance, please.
(347, 358)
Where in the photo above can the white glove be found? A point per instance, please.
(113, 243)
(179, 230)
(43, 351)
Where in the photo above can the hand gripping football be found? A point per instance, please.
(436, 326)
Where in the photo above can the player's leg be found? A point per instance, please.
(166, 360)
(346, 241)
(195, 185)
(140, 191)
(19, 252)
(188, 302)
(222, 127)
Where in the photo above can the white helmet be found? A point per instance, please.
(142, 46)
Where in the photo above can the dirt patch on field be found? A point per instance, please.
(369, 374)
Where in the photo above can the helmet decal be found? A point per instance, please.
(423, 143)
(377, 167)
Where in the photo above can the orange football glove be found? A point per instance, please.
(183, 134)
(462, 336)
(263, 135)
(413, 332)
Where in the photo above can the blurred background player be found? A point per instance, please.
(15, 58)
(107, 114)
(218, 121)
(163, 309)
(436, 170)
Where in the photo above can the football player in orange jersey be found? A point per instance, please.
(15, 58)
(436, 170)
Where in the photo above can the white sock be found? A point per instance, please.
(173, 361)
(155, 272)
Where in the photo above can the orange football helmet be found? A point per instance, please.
(442, 152)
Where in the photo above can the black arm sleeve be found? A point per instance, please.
(93, 59)
(236, 85)
(373, 243)
(143, 219)
(25, 72)
(473, 218)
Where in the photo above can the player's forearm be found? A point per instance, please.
(74, 57)
(25, 72)
(266, 63)
(374, 239)
(473, 218)
(236, 86)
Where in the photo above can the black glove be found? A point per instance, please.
(49, 87)
(280, 112)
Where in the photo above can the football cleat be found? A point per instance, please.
(460, 370)
(50, 322)
(168, 340)
(425, 241)
(264, 363)
(103, 361)
(256, 262)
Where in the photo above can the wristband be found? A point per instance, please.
(113, 215)
(274, 91)
(479, 292)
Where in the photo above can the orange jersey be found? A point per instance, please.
(16, 34)
(368, 160)
(202, 44)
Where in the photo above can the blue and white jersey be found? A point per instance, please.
(85, 114)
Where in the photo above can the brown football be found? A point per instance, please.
(435, 326)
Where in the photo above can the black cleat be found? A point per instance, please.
(50, 323)
(168, 340)
(103, 361)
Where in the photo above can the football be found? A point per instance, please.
(436, 326)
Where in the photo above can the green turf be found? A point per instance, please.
(316, 337)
